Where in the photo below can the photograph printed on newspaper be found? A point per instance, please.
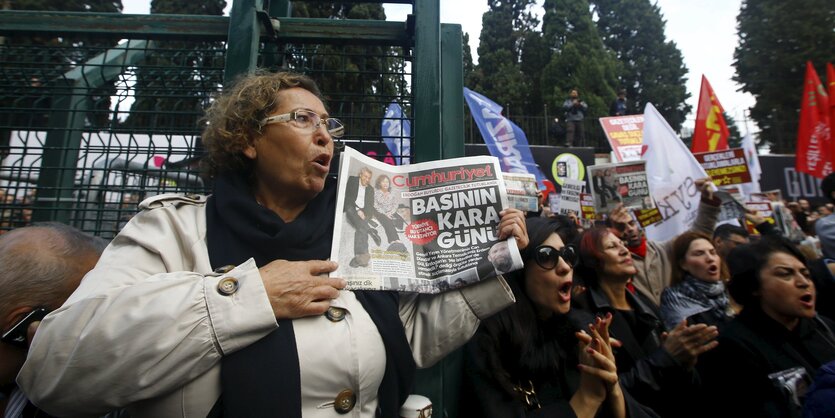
(426, 227)
(625, 183)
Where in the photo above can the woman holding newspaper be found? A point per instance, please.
(221, 306)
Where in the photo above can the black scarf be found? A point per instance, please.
(262, 380)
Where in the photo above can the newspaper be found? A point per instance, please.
(433, 226)
(620, 183)
(730, 208)
(521, 191)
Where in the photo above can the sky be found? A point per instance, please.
(705, 32)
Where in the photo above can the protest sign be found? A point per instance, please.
(624, 183)
(625, 135)
(570, 196)
(726, 167)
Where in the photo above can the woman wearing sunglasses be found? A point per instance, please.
(538, 358)
(656, 367)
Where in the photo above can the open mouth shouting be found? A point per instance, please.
(565, 291)
(322, 163)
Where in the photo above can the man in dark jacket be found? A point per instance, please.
(359, 208)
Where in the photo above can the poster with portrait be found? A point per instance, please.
(626, 183)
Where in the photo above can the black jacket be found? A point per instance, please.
(751, 347)
(351, 191)
(495, 363)
(648, 372)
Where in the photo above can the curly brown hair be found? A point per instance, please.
(233, 121)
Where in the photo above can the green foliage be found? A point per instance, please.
(776, 39)
(652, 69)
(579, 59)
(469, 67)
(734, 138)
(46, 59)
(172, 80)
(507, 27)
(359, 80)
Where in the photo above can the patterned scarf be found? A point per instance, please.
(693, 296)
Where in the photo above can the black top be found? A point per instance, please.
(753, 346)
(262, 379)
(648, 372)
(500, 359)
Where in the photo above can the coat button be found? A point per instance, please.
(225, 269)
(335, 314)
(345, 401)
(228, 286)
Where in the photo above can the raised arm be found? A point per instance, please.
(437, 324)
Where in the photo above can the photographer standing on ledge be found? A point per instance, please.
(575, 113)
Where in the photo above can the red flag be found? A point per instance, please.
(813, 146)
(711, 132)
(830, 78)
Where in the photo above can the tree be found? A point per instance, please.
(359, 81)
(652, 69)
(776, 38)
(176, 78)
(734, 137)
(579, 59)
(469, 67)
(505, 29)
(34, 66)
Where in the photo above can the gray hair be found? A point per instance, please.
(43, 263)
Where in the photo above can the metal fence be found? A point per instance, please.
(89, 127)
(92, 123)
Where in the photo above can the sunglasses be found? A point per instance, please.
(18, 334)
(548, 257)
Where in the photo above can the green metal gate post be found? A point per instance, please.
(244, 39)
(56, 181)
(452, 91)
(426, 83)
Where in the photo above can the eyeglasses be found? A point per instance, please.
(547, 256)
(18, 334)
(308, 119)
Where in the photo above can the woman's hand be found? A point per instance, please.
(513, 224)
(599, 376)
(706, 186)
(686, 342)
(297, 288)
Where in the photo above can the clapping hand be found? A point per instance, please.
(686, 342)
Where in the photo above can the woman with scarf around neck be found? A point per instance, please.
(539, 357)
(221, 306)
(654, 366)
(769, 353)
(698, 293)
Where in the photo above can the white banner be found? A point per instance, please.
(672, 172)
(753, 166)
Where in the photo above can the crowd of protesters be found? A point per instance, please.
(218, 306)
